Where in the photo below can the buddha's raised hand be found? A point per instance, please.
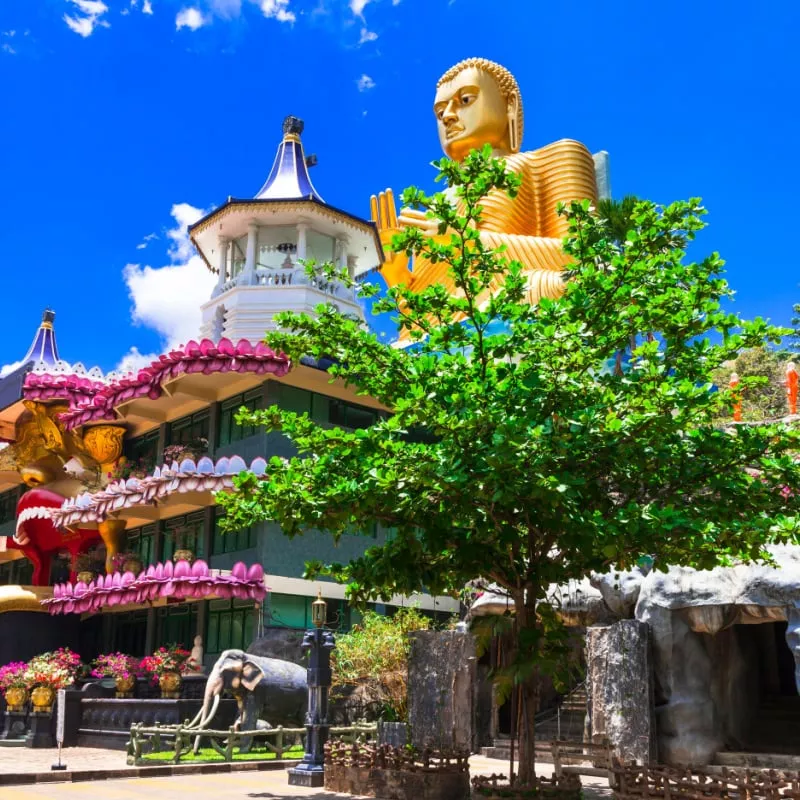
(384, 215)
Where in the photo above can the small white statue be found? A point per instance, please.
(197, 655)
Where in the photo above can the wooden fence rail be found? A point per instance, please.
(180, 739)
(634, 782)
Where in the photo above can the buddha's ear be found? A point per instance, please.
(513, 123)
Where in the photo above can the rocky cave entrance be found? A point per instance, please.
(755, 690)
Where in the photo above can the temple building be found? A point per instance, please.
(100, 472)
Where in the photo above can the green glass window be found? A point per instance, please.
(229, 430)
(187, 430)
(142, 542)
(143, 449)
(19, 571)
(294, 611)
(176, 624)
(184, 533)
(242, 539)
(326, 409)
(129, 633)
(348, 415)
(230, 625)
(8, 505)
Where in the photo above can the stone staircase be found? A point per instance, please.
(564, 722)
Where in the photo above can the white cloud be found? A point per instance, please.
(10, 33)
(278, 9)
(125, 12)
(87, 16)
(191, 18)
(365, 83)
(145, 240)
(9, 368)
(133, 361)
(168, 299)
(227, 8)
(367, 36)
(147, 7)
(7, 48)
(358, 6)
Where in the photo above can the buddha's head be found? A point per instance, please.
(478, 102)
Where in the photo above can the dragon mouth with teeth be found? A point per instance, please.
(38, 538)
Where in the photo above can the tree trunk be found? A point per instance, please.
(526, 621)
(529, 700)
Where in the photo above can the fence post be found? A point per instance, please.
(229, 747)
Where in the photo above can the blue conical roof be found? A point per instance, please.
(44, 348)
(289, 179)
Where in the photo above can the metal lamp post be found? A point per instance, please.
(311, 770)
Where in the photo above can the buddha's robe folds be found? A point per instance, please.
(528, 225)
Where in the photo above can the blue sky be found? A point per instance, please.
(120, 120)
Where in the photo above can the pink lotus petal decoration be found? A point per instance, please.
(165, 481)
(92, 397)
(161, 580)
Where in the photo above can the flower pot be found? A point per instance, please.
(43, 698)
(85, 576)
(183, 555)
(133, 565)
(16, 697)
(170, 683)
(125, 686)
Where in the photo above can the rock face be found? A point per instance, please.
(441, 689)
(282, 643)
(619, 689)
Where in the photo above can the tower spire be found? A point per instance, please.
(289, 179)
(44, 348)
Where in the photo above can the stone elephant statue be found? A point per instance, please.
(268, 687)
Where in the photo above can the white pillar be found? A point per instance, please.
(302, 227)
(341, 248)
(250, 258)
(222, 244)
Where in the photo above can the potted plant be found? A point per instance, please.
(124, 469)
(182, 551)
(166, 666)
(86, 567)
(127, 562)
(12, 684)
(43, 678)
(122, 668)
(194, 449)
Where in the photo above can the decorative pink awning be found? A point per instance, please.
(180, 581)
(204, 475)
(204, 357)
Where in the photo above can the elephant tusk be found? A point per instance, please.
(205, 721)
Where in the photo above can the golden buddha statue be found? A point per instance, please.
(478, 102)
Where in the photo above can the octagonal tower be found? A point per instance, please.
(257, 246)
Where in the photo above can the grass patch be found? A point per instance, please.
(208, 754)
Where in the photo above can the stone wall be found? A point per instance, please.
(619, 689)
(441, 689)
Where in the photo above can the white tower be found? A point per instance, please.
(255, 246)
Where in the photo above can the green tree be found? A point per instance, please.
(618, 216)
(376, 652)
(765, 399)
(795, 335)
(535, 467)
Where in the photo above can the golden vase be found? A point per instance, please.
(16, 697)
(170, 683)
(125, 686)
(85, 576)
(43, 698)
